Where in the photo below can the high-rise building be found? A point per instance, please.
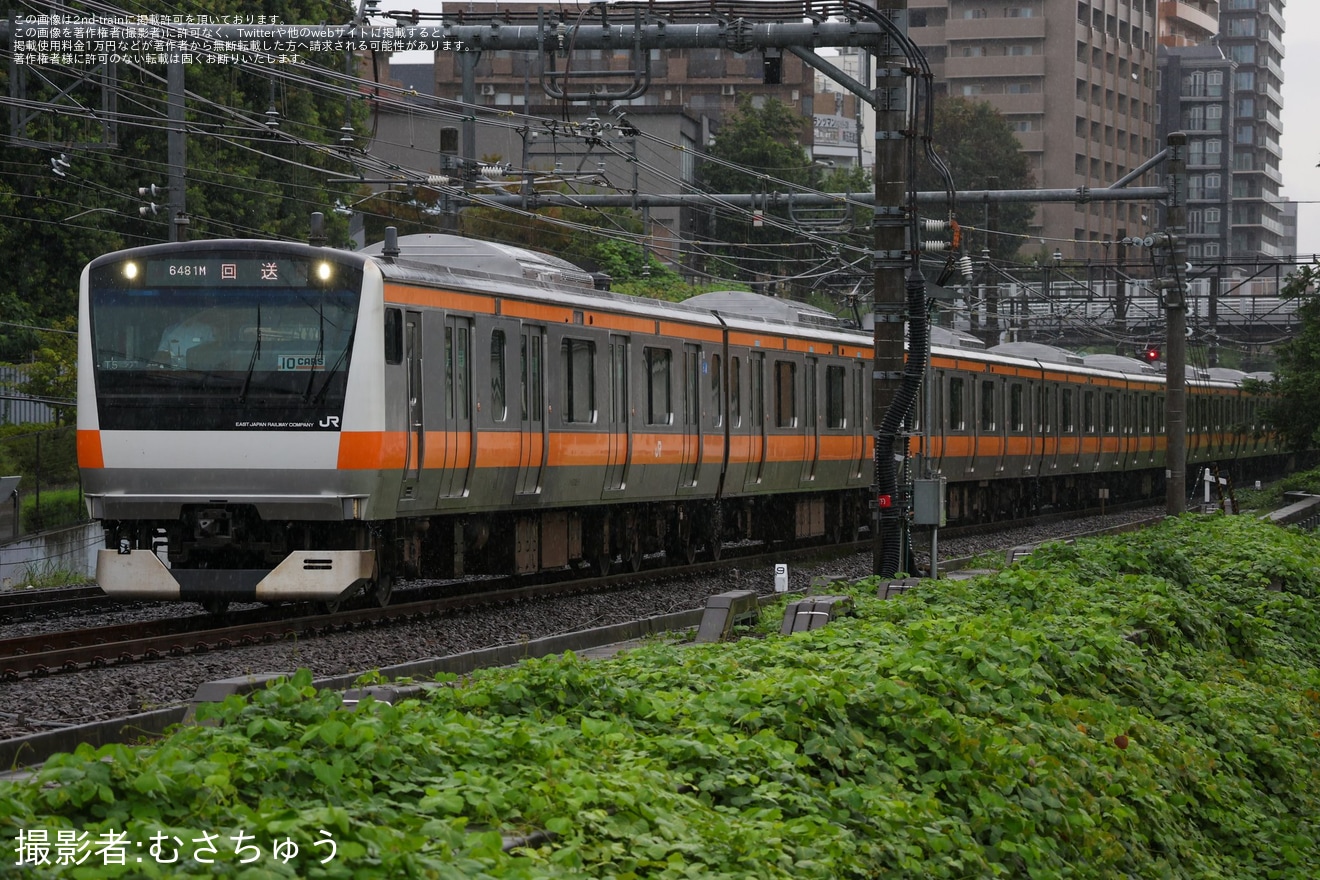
(1196, 97)
(1075, 79)
(1251, 35)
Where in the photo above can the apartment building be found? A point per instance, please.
(1075, 79)
(1251, 35)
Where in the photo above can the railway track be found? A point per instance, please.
(72, 650)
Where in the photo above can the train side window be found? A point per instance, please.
(1145, 414)
(1016, 420)
(578, 363)
(957, 399)
(532, 403)
(1109, 412)
(1088, 412)
(735, 391)
(659, 394)
(758, 390)
(1066, 416)
(393, 336)
(988, 405)
(785, 394)
(834, 398)
(716, 391)
(499, 407)
(456, 370)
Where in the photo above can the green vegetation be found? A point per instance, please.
(1291, 408)
(1142, 706)
(58, 507)
(1271, 496)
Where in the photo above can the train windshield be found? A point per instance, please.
(222, 342)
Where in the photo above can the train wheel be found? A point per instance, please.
(216, 607)
(632, 545)
(331, 607)
(384, 590)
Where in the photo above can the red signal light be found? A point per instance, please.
(1151, 354)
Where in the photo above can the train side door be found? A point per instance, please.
(691, 465)
(531, 458)
(457, 432)
(619, 445)
(862, 443)
(414, 456)
(810, 421)
(756, 418)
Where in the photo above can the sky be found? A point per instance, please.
(1301, 118)
(1301, 114)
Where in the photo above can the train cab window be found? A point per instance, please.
(393, 336)
(578, 366)
(1066, 419)
(1088, 412)
(735, 391)
(659, 393)
(988, 405)
(499, 407)
(957, 407)
(785, 394)
(1109, 415)
(834, 397)
(716, 391)
(1016, 407)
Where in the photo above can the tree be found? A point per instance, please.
(976, 142)
(1292, 393)
(758, 151)
(242, 179)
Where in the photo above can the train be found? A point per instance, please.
(275, 421)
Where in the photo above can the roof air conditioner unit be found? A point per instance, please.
(488, 88)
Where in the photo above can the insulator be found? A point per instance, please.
(934, 225)
(965, 266)
(934, 246)
(437, 180)
(492, 171)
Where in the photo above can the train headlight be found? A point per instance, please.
(130, 271)
(324, 271)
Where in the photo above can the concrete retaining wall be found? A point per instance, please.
(71, 549)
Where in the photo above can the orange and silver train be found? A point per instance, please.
(275, 421)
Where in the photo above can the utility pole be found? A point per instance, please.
(177, 150)
(1175, 346)
(890, 260)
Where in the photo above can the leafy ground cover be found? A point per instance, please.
(1140, 706)
(1271, 496)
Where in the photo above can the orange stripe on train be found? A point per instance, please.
(89, 450)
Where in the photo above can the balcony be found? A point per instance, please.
(995, 29)
(986, 67)
(1192, 14)
(1033, 102)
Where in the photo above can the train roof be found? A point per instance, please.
(1039, 351)
(746, 304)
(1120, 364)
(474, 256)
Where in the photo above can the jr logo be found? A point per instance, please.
(330, 422)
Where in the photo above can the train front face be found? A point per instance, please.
(214, 379)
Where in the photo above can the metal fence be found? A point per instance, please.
(39, 485)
